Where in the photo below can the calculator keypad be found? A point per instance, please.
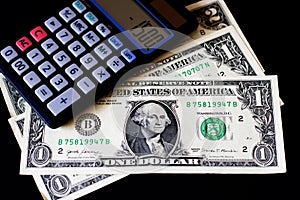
(61, 76)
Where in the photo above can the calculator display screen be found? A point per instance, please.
(144, 29)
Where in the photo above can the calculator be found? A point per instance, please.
(59, 53)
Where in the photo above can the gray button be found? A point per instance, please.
(63, 101)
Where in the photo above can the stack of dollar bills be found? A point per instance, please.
(214, 108)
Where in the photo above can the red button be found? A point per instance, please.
(23, 43)
(38, 33)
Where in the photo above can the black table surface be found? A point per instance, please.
(266, 28)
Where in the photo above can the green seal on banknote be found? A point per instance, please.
(213, 128)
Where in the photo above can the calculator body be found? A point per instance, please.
(66, 54)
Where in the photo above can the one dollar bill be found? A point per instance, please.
(166, 125)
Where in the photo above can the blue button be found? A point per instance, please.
(91, 18)
(79, 6)
(128, 55)
(115, 42)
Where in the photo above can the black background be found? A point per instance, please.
(268, 29)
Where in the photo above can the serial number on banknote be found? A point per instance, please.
(79, 142)
(211, 104)
(194, 70)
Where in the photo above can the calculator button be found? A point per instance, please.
(31, 79)
(76, 48)
(20, 66)
(91, 18)
(49, 46)
(59, 82)
(43, 92)
(79, 26)
(63, 101)
(101, 74)
(103, 51)
(52, 24)
(115, 64)
(79, 6)
(23, 43)
(88, 61)
(61, 58)
(73, 71)
(86, 85)
(67, 14)
(103, 30)
(115, 42)
(128, 55)
(38, 33)
(46, 68)
(64, 36)
(8, 53)
(35, 56)
(90, 38)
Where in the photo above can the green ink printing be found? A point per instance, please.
(194, 70)
(82, 142)
(213, 128)
(211, 104)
